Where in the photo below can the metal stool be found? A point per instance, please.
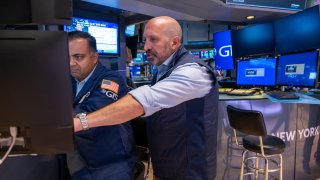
(265, 147)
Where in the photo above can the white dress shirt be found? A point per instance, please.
(186, 82)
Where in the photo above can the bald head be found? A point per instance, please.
(167, 24)
(162, 36)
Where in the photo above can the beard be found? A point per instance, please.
(158, 57)
(152, 57)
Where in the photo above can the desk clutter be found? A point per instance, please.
(240, 92)
(225, 90)
(303, 96)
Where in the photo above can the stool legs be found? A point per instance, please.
(257, 167)
(280, 157)
(266, 169)
(242, 164)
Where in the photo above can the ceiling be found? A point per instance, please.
(194, 10)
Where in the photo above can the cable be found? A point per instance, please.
(13, 133)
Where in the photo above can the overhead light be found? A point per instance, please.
(250, 17)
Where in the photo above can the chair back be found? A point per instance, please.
(247, 121)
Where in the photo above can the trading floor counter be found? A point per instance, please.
(295, 123)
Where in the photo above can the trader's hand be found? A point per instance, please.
(77, 124)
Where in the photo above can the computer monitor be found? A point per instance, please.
(256, 72)
(106, 33)
(283, 4)
(204, 54)
(298, 32)
(196, 53)
(135, 70)
(140, 59)
(211, 53)
(58, 12)
(253, 40)
(36, 91)
(223, 48)
(297, 69)
(130, 30)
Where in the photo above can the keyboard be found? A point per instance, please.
(241, 92)
(283, 95)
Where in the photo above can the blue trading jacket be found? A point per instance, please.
(109, 149)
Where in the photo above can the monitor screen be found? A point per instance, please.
(298, 32)
(135, 70)
(253, 40)
(37, 91)
(106, 33)
(211, 53)
(204, 54)
(297, 69)
(129, 31)
(223, 49)
(196, 54)
(283, 4)
(256, 72)
(140, 59)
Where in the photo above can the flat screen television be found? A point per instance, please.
(256, 72)
(298, 32)
(37, 93)
(106, 33)
(223, 47)
(253, 40)
(298, 69)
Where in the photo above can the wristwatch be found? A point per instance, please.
(83, 120)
